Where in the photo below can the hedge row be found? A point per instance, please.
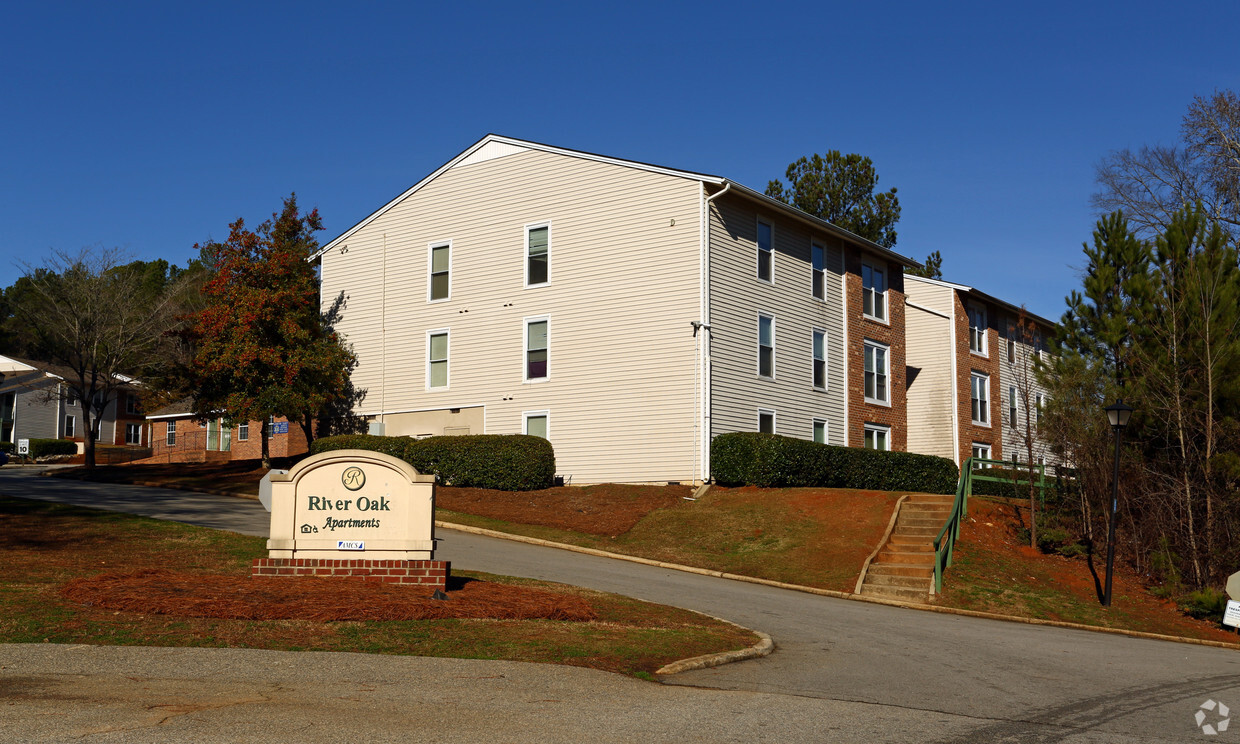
(44, 447)
(772, 461)
(7, 447)
(506, 462)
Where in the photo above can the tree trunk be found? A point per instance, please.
(307, 427)
(264, 435)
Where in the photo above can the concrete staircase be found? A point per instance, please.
(904, 567)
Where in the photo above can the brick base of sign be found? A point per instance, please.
(430, 574)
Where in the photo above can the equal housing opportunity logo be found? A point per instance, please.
(1216, 711)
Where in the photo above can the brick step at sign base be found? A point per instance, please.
(429, 574)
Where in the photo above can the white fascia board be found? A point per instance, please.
(516, 143)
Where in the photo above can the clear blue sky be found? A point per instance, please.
(151, 126)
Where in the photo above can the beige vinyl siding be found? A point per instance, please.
(1019, 374)
(737, 297)
(624, 288)
(928, 352)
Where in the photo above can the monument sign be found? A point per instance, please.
(352, 513)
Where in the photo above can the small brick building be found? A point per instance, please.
(177, 437)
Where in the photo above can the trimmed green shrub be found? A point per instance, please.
(773, 461)
(394, 446)
(7, 447)
(506, 462)
(45, 447)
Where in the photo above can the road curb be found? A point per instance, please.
(763, 647)
(836, 594)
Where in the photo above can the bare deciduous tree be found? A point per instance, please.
(98, 320)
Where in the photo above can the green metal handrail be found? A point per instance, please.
(945, 542)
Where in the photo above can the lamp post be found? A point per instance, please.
(1118, 415)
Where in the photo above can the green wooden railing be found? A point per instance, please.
(973, 469)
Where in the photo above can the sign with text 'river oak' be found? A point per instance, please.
(352, 504)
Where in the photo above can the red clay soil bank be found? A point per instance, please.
(162, 592)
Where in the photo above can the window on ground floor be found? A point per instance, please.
(171, 439)
(877, 437)
(133, 433)
(820, 431)
(70, 426)
(981, 451)
(766, 421)
(536, 423)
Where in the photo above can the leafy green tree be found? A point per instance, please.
(261, 346)
(841, 190)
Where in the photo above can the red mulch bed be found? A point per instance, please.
(162, 592)
(608, 510)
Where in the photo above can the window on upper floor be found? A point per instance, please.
(818, 268)
(980, 398)
(131, 403)
(877, 373)
(820, 359)
(439, 284)
(873, 292)
(1011, 343)
(537, 255)
(437, 359)
(877, 437)
(766, 421)
(977, 329)
(766, 252)
(766, 346)
(537, 348)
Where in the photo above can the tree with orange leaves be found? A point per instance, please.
(263, 346)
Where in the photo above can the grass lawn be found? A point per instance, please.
(44, 546)
(812, 537)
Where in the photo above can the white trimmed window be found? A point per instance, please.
(70, 426)
(536, 423)
(766, 421)
(537, 254)
(766, 252)
(243, 432)
(877, 373)
(977, 330)
(171, 439)
(271, 427)
(1037, 407)
(874, 292)
(980, 397)
(818, 264)
(1012, 405)
(1011, 343)
(981, 451)
(820, 431)
(537, 348)
(766, 346)
(131, 403)
(877, 437)
(820, 359)
(439, 279)
(437, 358)
(133, 433)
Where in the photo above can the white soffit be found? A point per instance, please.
(9, 366)
(490, 151)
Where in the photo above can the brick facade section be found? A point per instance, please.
(967, 363)
(191, 442)
(891, 333)
(429, 574)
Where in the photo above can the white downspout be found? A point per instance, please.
(951, 322)
(704, 360)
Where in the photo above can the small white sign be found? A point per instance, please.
(1231, 616)
(361, 545)
(23, 446)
